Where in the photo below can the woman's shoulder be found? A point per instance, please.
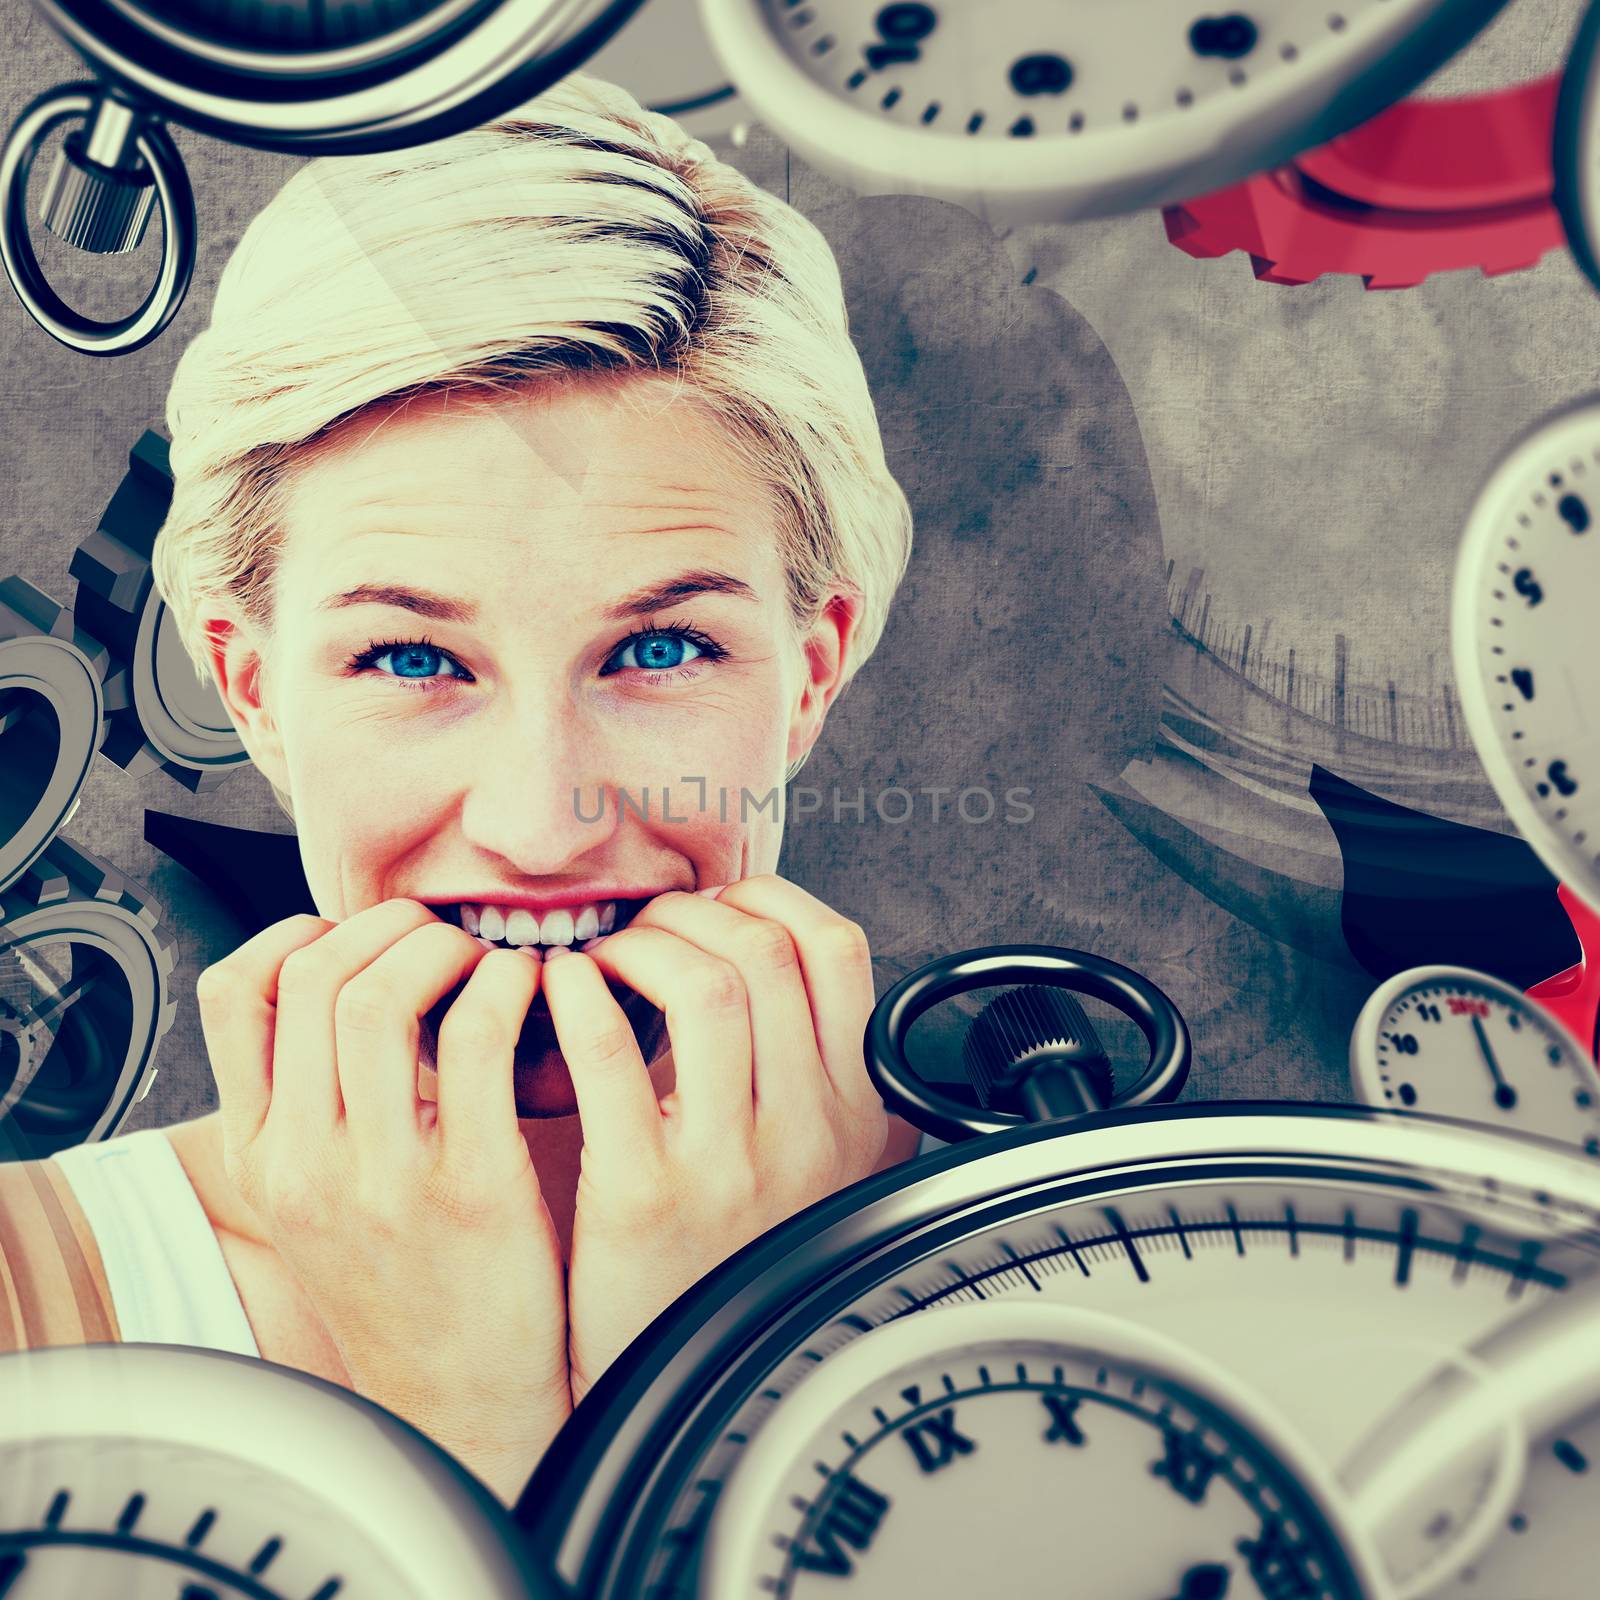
(53, 1287)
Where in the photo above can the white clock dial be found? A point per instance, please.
(1010, 1429)
(1524, 640)
(1030, 112)
(1322, 1262)
(1459, 1043)
(165, 1472)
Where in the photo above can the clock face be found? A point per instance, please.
(994, 1423)
(165, 1472)
(1524, 642)
(1458, 1043)
(1063, 111)
(1325, 1263)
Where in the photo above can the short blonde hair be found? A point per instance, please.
(577, 234)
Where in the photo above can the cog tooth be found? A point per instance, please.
(1428, 186)
(117, 606)
(110, 568)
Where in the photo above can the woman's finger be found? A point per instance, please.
(305, 1073)
(617, 1104)
(237, 1001)
(377, 1025)
(477, 1048)
(789, 1081)
(837, 961)
(708, 1021)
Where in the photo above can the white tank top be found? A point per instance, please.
(169, 1282)
(168, 1279)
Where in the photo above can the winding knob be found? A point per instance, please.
(1033, 1050)
(103, 209)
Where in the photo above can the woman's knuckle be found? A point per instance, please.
(303, 974)
(769, 945)
(849, 941)
(293, 1198)
(215, 990)
(716, 985)
(365, 1004)
(732, 1186)
(472, 1029)
(608, 1044)
(381, 1205)
(456, 1201)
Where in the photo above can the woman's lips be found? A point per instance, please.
(579, 928)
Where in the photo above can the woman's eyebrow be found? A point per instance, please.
(657, 595)
(444, 608)
(424, 603)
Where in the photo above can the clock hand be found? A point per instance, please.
(1504, 1095)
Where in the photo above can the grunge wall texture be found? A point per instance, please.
(1092, 428)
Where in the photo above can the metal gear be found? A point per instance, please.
(52, 720)
(159, 713)
(85, 969)
(1573, 996)
(1430, 185)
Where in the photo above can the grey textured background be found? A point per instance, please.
(1312, 448)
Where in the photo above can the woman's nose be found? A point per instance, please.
(539, 792)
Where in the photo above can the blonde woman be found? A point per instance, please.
(530, 513)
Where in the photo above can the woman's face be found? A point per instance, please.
(532, 652)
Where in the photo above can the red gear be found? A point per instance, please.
(1573, 996)
(1426, 186)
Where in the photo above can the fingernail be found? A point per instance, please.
(554, 951)
(712, 890)
(589, 944)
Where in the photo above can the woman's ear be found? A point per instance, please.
(237, 664)
(827, 652)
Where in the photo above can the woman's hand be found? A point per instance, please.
(418, 1231)
(766, 992)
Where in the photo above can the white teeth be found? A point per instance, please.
(523, 929)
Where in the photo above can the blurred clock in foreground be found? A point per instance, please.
(152, 1471)
(1050, 113)
(294, 75)
(1522, 638)
(1329, 1262)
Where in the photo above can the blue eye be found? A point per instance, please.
(412, 659)
(658, 652)
(663, 649)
